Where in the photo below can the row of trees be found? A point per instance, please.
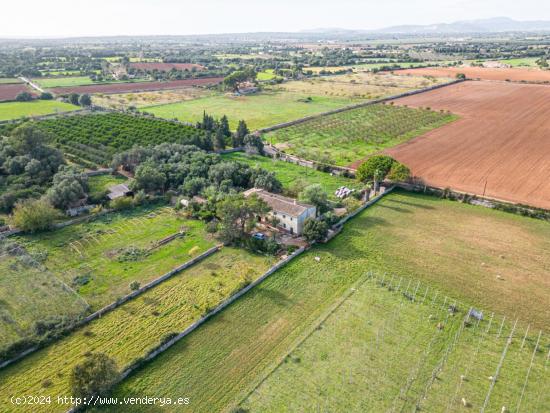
(219, 135)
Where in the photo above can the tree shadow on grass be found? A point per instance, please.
(412, 204)
(274, 296)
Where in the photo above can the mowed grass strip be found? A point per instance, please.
(378, 351)
(292, 175)
(130, 331)
(16, 110)
(348, 136)
(438, 242)
(101, 258)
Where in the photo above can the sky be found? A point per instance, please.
(69, 18)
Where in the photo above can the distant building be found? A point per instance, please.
(290, 213)
(118, 191)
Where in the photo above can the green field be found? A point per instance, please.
(453, 248)
(99, 184)
(268, 74)
(16, 110)
(101, 258)
(29, 294)
(377, 352)
(65, 81)
(130, 331)
(522, 62)
(69, 81)
(349, 136)
(4, 80)
(292, 175)
(259, 111)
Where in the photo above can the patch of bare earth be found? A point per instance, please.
(500, 146)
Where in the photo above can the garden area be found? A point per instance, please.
(100, 259)
(295, 177)
(352, 135)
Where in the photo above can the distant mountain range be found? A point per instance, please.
(493, 25)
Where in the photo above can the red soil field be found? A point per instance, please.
(512, 74)
(165, 67)
(11, 90)
(499, 147)
(137, 86)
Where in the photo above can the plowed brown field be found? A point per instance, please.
(9, 91)
(499, 147)
(137, 86)
(513, 74)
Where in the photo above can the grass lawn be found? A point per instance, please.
(292, 175)
(99, 184)
(259, 111)
(455, 248)
(133, 329)
(101, 258)
(345, 137)
(16, 110)
(379, 345)
(29, 293)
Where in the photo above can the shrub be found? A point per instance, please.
(315, 230)
(399, 172)
(46, 96)
(23, 97)
(134, 285)
(34, 215)
(94, 376)
(378, 165)
(121, 203)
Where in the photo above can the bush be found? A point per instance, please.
(121, 203)
(24, 97)
(315, 230)
(34, 215)
(46, 96)
(378, 165)
(399, 172)
(134, 285)
(95, 376)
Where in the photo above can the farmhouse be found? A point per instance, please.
(118, 191)
(290, 213)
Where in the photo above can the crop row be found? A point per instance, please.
(347, 136)
(94, 136)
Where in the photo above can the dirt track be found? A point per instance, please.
(500, 146)
(512, 74)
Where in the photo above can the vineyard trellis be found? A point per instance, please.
(442, 374)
